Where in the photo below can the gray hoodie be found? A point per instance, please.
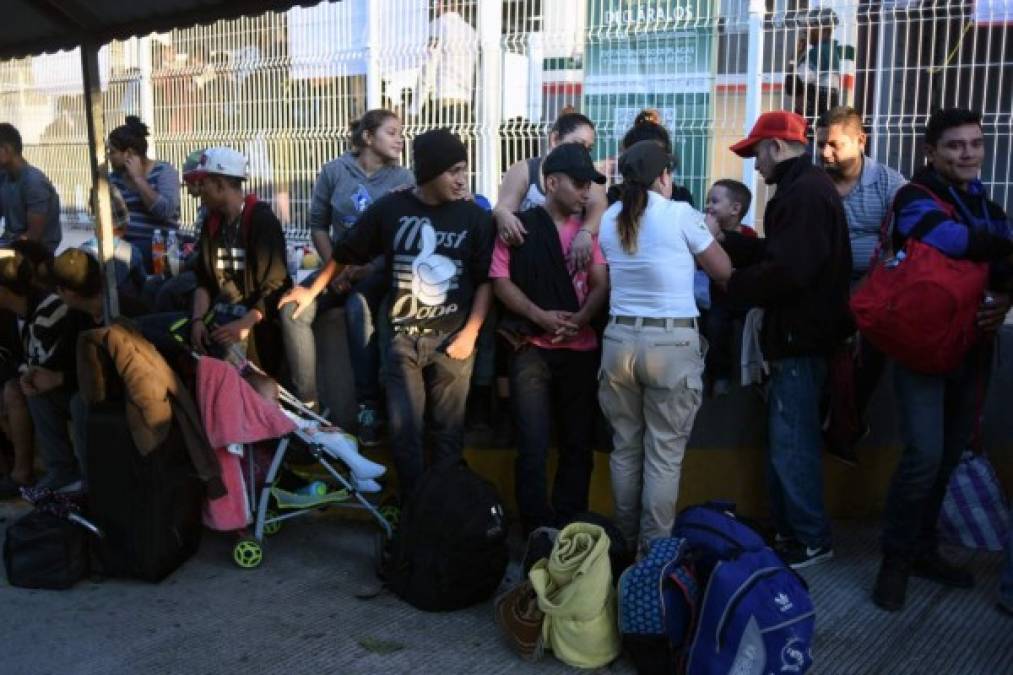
(343, 191)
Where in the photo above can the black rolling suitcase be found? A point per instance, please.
(148, 507)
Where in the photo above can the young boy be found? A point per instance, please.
(727, 204)
(242, 268)
(437, 246)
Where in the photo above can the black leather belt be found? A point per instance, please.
(653, 322)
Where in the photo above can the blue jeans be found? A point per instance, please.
(427, 392)
(51, 415)
(936, 414)
(795, 470)
(361, 304)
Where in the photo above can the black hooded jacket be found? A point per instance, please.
(799, 272)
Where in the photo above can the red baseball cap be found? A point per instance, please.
(782, 124)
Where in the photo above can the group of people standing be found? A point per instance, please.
(591, 297)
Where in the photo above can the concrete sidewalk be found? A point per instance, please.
(298, 613)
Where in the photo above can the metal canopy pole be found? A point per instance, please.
(95, 117)
(754, 91)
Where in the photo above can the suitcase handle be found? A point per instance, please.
(86, 524)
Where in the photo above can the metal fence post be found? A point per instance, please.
(490, 111)
(373, 88)
(754, 88)
(147, 88)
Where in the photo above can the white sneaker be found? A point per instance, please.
(367, 485)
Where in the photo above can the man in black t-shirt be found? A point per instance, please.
(437, 246)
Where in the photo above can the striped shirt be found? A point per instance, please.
(866, 206)
(163, 214)
(44, 331)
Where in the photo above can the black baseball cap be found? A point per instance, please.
(643, 162)
(574, 160)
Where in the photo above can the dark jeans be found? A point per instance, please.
(427, 392)
(719, 329)
(51, 415)
(174, 294)
(795, 471)
(361, 305)
(937, 416)
(156, 329)
(553, 386)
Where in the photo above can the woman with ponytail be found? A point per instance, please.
(652, 364)
(647, 126)
(149, 188)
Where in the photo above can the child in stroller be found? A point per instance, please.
(337, 443)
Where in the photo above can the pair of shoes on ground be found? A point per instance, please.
(890, 591)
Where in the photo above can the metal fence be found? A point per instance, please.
(284, 87)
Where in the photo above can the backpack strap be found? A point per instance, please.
(214, 219)
(885, 246)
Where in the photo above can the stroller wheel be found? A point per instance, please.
(248, 553)
(391, 513)
(269, 527)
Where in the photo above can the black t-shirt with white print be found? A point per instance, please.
(436, 256)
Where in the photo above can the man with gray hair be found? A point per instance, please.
(798, 274)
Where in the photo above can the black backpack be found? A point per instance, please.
(450, 551)
(42, 550)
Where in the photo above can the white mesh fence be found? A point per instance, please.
(284, 87)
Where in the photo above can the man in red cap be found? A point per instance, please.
(798, 274)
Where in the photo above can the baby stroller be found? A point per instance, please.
(268, 499)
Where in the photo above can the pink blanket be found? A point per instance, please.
(232, 510)
(231, 410)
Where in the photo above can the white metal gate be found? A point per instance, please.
(284, 87)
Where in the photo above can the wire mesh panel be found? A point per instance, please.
(283, 87)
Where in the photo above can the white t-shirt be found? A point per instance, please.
(657, 280)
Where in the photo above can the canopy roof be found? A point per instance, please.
(38, 26)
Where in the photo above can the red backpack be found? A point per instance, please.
(214, 220)
(920, 308)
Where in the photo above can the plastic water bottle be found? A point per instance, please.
(157, 253)
(317, 488)
(172, 251)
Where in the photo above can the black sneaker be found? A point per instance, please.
(798, 556)
(934, 568)
(890, 591)
(370, 429)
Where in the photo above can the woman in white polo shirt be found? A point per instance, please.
(653, 356)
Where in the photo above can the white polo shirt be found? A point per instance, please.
(657, 280)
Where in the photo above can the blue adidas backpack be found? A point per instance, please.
(657, 606)
(756, 618)
(714, 533)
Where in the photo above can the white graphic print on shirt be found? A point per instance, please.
(427, 275)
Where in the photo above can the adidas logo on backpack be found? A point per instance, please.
(755, 616)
